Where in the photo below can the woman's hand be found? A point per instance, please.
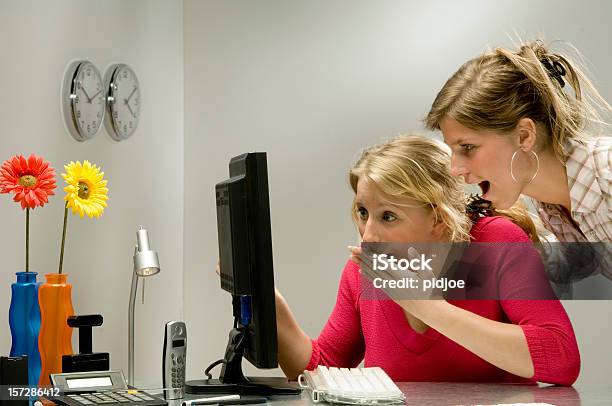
(399, 285)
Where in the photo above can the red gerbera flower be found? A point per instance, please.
(31, 180)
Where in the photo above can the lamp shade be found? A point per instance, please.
(146, 262)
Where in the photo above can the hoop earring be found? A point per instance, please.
(512, 162)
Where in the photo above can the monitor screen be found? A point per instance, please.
(246, 272)
(245, 252)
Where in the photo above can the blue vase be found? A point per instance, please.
(24, 319)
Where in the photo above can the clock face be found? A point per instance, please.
(123, 102)
(86, 99)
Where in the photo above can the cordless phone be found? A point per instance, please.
(175, 348)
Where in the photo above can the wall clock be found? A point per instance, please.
(83, 100)
(122, 101)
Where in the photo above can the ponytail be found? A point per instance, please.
(478, 207)
(519, 215)
(566, 114)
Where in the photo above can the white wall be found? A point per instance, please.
(312, 83)
(145, 172)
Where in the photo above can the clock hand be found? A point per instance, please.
(92, 97)
(129, 108)
(85, 91)
(130, 96)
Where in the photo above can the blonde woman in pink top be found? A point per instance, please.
(404, 193)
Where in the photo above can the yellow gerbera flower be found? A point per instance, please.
(86, 193)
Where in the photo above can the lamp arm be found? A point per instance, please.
(131, 329)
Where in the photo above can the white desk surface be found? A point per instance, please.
(440, 394)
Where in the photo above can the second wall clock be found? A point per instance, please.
(122, 101)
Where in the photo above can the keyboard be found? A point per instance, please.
(362, 386)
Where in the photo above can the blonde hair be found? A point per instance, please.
(497, 89)
(520, 216)
(418, 168)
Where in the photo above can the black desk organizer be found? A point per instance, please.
(86, 360)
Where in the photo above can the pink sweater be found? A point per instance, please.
(377, 331)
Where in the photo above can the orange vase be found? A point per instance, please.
(55, 338)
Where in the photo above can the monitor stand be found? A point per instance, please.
(232, 380)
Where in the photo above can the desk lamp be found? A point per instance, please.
(146, 263)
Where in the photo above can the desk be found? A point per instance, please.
(440, 394)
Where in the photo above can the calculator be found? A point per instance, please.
(99, 388)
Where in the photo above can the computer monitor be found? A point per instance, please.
(246, 265)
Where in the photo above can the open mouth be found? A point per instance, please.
(484, 186)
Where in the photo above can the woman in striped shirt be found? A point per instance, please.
(525, 123)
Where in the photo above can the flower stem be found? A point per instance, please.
(63, 238)
(27, 239)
